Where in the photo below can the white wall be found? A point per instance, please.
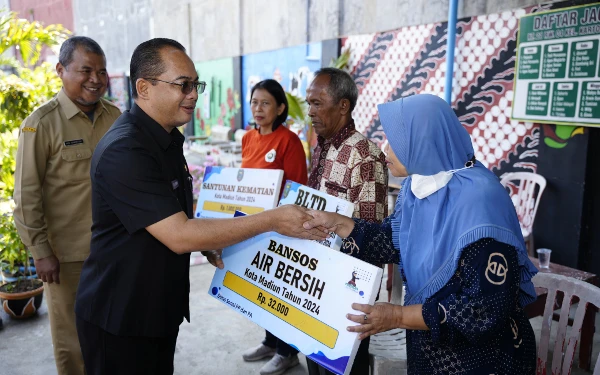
(212, 29)
(117, 25)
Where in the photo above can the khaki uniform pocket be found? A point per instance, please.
(76, 166)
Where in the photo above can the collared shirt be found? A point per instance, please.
(351, 167)
(132, 284)
(53, 212)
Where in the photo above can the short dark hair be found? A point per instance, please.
(146, 61)
(341, 85)
(274, 88)
(65, 57)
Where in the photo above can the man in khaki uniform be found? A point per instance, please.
(52, 186)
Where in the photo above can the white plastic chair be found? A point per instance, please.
(567, 341)
(525, 191)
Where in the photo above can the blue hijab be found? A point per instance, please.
(427, 138)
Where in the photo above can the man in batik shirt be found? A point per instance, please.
(345, 164)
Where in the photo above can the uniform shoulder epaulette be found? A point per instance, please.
(34, 118)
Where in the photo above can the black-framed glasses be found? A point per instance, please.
(186, 87)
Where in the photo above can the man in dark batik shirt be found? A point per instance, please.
(345, 164)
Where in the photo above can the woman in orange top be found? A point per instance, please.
(273, 146)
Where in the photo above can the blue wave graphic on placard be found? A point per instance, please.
(210, 170)
(294, 186)
(290, 186)
(336, 365)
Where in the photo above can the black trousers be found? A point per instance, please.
(107, 354)
(281, 347)
(359, 367)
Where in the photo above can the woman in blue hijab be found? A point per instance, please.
(456, 237)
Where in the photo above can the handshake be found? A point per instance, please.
(293, 221)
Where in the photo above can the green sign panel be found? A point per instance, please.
(564, 99)
(557, 76)
(538, 96)
(590, 100)
(530, 62)
(555, 60)
(583, 59)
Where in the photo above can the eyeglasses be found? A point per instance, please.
(186, 87)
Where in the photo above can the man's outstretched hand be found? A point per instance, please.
(330, 222)
(288, 220)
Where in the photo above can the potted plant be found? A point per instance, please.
(22, 296)
(24, 85)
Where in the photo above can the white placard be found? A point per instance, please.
(300, 291)
(226, 190)
(301, 195)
